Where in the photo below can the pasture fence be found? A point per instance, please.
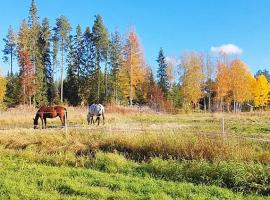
(219, 128)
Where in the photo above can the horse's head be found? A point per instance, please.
(35, 121)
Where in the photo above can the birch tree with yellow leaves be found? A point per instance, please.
(261, 89)
(240, 83)
(222, 86)
(133, 71)
(2, 89)
(192, 78)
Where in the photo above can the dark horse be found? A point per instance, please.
(49, 112)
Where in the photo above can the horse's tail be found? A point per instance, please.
(103, 110)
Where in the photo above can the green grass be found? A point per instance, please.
(243, 177)
(22, 179)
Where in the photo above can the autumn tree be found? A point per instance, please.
(61, 35)
(133, 70)
(208, 71)
(261, 89)
(3, 83)
(222, 85)
(27, 77)
(240, 83)
(23, 37)
(192, 78)
(9, 51)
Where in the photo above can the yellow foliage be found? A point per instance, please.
(234, 81)
(261, 90)
(133, 70)
(192, 65)
(241, 81)
(2, 88)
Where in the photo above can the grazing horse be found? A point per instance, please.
(95, 110)
(49, 112)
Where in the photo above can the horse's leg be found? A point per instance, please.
(45, 121)
(103, 117)
(63, 120)
(42, 121)
(88, 118)
(98, 119)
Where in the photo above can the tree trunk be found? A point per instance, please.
(209, 102)
(98, 63)
(130, 76)
(11, 61)
(62, 70)
(204, 104)
(106, 81)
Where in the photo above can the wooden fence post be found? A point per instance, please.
(223, 126)
(66, 126)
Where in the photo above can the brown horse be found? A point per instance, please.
(49, 112)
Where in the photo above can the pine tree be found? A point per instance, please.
(61, 35)
(101, 41)
(116, 61)
(10, 48)
(163, 81)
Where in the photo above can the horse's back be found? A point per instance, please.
(96, 109)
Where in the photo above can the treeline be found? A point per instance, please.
(96, 66)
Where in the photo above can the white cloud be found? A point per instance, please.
(227, 49)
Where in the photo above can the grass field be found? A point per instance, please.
(136, 155)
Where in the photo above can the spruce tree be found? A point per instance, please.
(44, 45)
(162, 75)
(34, 31)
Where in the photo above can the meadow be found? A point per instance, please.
(137, 154)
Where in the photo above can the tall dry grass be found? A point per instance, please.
(138, 146)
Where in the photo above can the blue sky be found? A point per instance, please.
(175, 25)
